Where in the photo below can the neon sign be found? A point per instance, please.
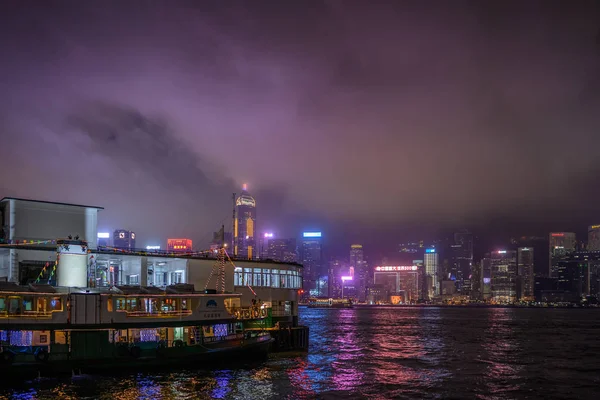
(347, 278)
(103, 235)
(268, 235)
(311, 234)
(152, 247)
(396, 268)
(557, 234)
(501, 251)
(429, 250)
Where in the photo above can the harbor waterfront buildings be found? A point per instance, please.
(29, 254)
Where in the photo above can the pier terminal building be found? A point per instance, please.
(28, 254)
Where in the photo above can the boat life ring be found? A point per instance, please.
(42, 355)
(246, 314)
(263, 312)
(135, 352)
(178, 343)
(8, 357)
(255, 313)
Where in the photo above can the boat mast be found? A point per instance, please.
(233, 249)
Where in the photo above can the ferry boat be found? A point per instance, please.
(316, 302)
(53, 329)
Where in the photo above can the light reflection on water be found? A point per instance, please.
(388, 353)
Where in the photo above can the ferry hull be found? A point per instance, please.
(196, 357)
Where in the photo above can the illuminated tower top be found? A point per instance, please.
(245, 199)
(244, 230)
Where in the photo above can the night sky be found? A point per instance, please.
(372, 121)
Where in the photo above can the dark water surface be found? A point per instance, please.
(389, 353)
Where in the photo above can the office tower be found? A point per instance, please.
(431, 262)
(359, 267)
(103, 239)
(578, 275)
(179, 245)
(263, 245)
(312, 260)
(476, 281)
(335, 271)
(463, 261)
(525, 259)
(245, 225)
(561, 243)
(540, 245)
(486, 277)
(504, 276)
(593, 238)
(123, 239)
(282, 250)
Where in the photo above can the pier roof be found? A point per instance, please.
(49, 202)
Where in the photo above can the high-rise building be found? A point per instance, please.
(245, 226)
(540, 245)
(123, 239)
(312, 260)
(103, 239)
(335, 272)
(282, 250)
(463, 259)
(431, 262)
(179, 245)
(504, 276)
(359, 271)
(486, 278)
(579, 275)
(525, 259)
(561, 243)
(263, 245)
(593, 238)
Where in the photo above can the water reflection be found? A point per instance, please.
(387, 353)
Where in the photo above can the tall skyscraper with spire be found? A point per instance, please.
(245, 225)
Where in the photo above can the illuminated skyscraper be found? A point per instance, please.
(504, 276)
(358, 270)
(526, 276)
(312, 260)
(245, 225)
(593, 238)
(123, 239)
(431, 261)
(561, 243)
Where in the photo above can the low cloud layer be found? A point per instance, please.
(351, 117)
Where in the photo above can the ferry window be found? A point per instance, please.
(60, 337)
(109, 304)
(2, 304)
(184, 304)
(132, 304)
(14, 305)
(168, 305)
(257, 277)
(28, 303)
(275, 278)
(41, 304)
(267, 277)
(56, 304)
(120, 304)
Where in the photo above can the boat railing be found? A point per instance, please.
(28, 314)
(249, 312)
(155, 314)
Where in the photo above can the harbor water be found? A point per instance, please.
(380, 353)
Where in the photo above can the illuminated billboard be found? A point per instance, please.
(429, 250)
(179, 245)
(152, 247)
(268, 235)
(346, 278)
(311, 234)
(103, 235)
(396, 268)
